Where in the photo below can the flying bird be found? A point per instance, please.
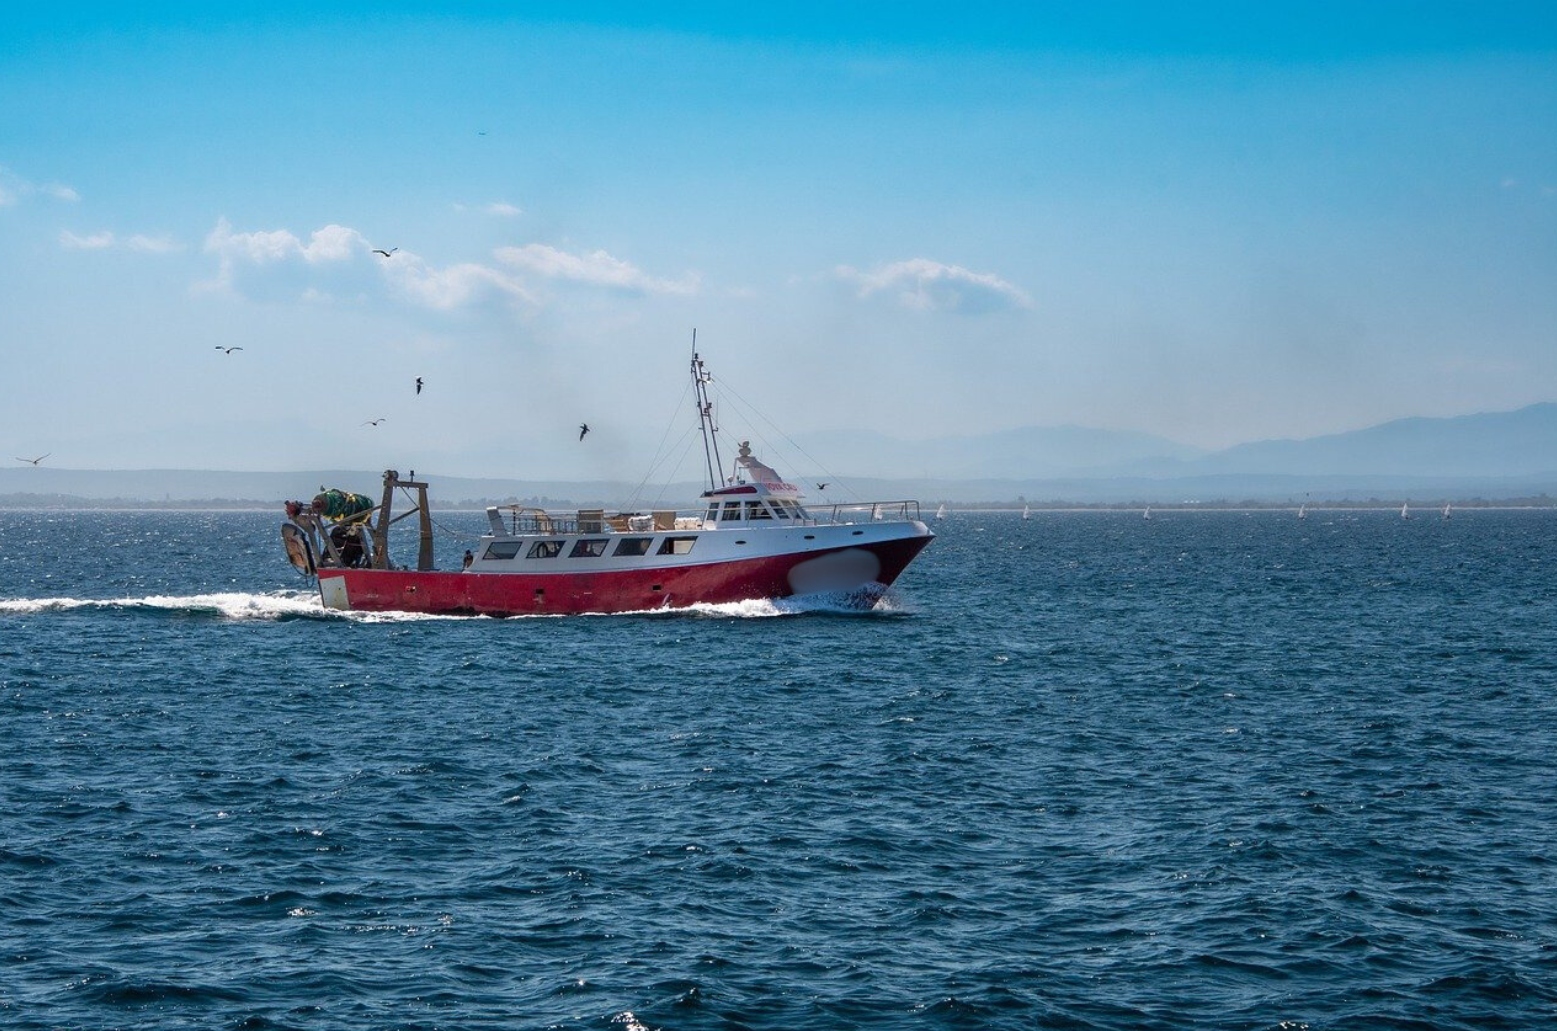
(418, 384)
(821, 486)
(380, 250)
(35, 461)
(228, 350)
(583, 428)
(373, 422)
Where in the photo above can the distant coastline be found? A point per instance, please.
(1425, 506)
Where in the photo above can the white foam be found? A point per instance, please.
(306, 604)
(232, 605)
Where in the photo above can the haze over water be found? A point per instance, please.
(1208, 770)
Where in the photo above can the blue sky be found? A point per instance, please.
(1212, 222)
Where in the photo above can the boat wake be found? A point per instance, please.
(279, 606)
(227, 605)
(837, 603)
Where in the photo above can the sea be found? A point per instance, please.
(1086, 770)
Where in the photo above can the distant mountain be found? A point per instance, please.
(1491, 455)
(1028, 452)
(1520, 443)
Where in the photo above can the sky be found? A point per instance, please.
(1213, 222)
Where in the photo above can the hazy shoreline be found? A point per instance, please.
(1423, 506)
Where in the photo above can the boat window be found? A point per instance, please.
(633, 546)
(677, 545)
(592, 547)
(503, 549)
(732, 510)
(757, 510)
(780, 509)
(545, 549)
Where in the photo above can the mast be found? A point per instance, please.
(705, 415)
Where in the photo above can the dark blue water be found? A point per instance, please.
(1088, 771)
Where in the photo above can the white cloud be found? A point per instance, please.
(457, 286)
(332, 263)
(332, 243)
(926, 285)
(497, 209)
(277, 263)
(105, 240)
(329, 263)
(597, 268)
(14, 189)
(152, 244)
(95, 242)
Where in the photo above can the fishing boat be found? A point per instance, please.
(751, 538)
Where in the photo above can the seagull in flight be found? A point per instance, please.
(35, 461)
(373, 422)
(583, 428)
(380, 250)
(418, 384)
(228, 350)
(821, 486)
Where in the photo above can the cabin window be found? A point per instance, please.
(592, 547)
(732, 511)
(677, 545)
(712, 515)
(633, 546)
(545, 549)
(503, 549)
(757, 510)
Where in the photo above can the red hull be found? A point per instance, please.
(521, 594)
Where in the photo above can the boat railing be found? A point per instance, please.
(517, 520)
(865, 512)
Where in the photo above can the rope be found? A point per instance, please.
(752, 411)
(459, 535)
